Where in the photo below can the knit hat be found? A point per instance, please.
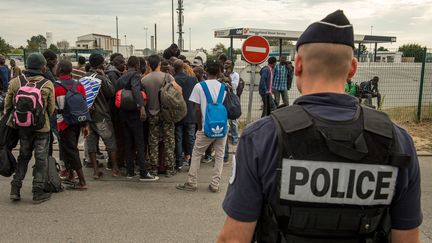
(335, 28)
(36, 61)
(96, 59)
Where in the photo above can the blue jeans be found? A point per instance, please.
(181, 130)
(234, 130)
(39, 143)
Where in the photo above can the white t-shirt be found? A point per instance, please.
(235, 79)
(198, 95)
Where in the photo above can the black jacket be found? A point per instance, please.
(187, 83)
(131, 80)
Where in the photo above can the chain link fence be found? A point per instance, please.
(406, 93)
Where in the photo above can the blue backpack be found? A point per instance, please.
(216, 118)
(75, 109)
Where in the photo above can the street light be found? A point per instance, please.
(145, 28)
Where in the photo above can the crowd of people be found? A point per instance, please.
(90, 100)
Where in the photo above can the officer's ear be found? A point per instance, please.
(353, 68)
(298, 65)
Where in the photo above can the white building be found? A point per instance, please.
(96, 41)
(389, 56)
(49, 39)
(126, 51)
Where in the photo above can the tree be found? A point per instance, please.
(219, 49)
(36, 42)
(54, 48)
(381, 48)
(4, 47)
(412, 50)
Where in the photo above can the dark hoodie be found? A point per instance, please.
(113, 74)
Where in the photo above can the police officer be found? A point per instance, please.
(324, 169)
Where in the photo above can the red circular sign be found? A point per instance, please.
(255, 49)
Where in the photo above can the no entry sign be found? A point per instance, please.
(255, 49)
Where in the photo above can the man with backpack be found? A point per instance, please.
(114, 72)
(101, 124)
(72, 118)
(132, 119)
(212, 120)
(33, 124)
(152, 83)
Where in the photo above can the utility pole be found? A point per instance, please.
(118, 41)
(145, 28)
(180, 24)
(155, 37)
(126, 46)
(172, 16)
(190, 39)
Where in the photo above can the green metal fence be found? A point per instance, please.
(405, 86)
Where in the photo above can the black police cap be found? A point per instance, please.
(335, 28)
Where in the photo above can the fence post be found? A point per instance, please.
(422, 77)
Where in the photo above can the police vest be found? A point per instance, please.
(336, 179)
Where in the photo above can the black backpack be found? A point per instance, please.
(53, 181)
(75, 110)
(232, 104)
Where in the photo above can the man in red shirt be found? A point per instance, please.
(69, 134)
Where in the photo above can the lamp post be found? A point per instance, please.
(145, 28)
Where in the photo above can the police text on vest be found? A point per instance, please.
(337, 182)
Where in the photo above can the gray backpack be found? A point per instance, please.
(172, 105)
(53, 181)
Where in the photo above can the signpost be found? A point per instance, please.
(255, 50)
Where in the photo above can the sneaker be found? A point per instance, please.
(185, 164)
(130, 176)
(207, 159)
(15, 194)
(40, 197)
(186, 187)
(148, 177)
(64, 174)
(213, 189)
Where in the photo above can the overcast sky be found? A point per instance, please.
(409, 20)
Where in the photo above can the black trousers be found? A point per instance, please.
(69, 147)
(134, 142)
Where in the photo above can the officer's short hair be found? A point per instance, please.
(326, 60)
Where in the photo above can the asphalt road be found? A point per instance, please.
(121, 210)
